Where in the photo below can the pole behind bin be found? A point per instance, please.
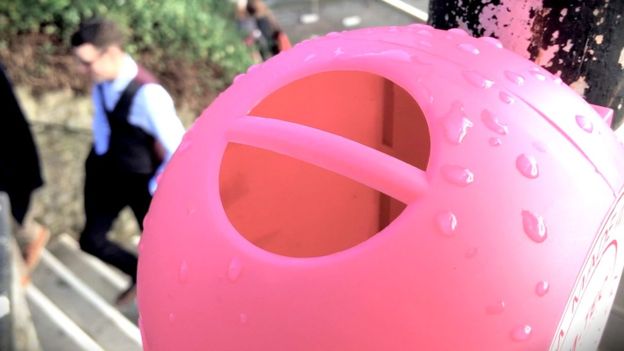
(579, 40)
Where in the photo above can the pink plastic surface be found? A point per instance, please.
(509, 240)
(605, 113)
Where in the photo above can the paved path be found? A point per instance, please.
(334, 14)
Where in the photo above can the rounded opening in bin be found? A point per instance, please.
(296, 209)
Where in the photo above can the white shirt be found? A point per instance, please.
(152, 110)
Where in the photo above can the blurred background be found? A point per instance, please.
(194, 48)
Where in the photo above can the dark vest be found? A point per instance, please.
(130, 149)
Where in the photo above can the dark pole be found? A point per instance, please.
(580, 40)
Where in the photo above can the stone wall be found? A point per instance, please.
(61, 125)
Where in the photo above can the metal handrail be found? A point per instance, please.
(7, 341)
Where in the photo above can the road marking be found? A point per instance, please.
(409, 9)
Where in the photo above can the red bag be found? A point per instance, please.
(283, 42)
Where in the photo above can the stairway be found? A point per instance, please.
(70, 300)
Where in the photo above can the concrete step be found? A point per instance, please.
(55, 330)
(94, 315)
(106, 280)
(613, 336)
(102, 278)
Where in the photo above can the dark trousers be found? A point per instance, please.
(106, 193)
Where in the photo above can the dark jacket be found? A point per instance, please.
(19, 160)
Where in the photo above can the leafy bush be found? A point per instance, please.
(189, 30)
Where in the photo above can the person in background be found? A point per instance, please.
(135, 132)
(248, 29)
(20, 174)
(258, 24)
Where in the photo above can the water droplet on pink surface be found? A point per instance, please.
(493, 123)
(492, 41)
(459, 31)
(514, 77)
(399, 55)
(496, 308)
(584, 123)
(456, 126)
(521, 333)
(469, 48)
(534, 226)
(542, 288)
(527, 165)
(477, 80)
(506, 98)
(234, 269)
(495, 142)
(458, 175)
(183, 272)
(423, 94)
(538, 74)
(447, 223)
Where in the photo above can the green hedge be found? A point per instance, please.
(192, 30)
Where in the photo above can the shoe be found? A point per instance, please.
(126, 296)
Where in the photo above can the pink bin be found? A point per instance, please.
(398, 188)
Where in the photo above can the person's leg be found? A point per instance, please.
(94, 240)
(103, 200)
(30, 236)
(139, 200)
